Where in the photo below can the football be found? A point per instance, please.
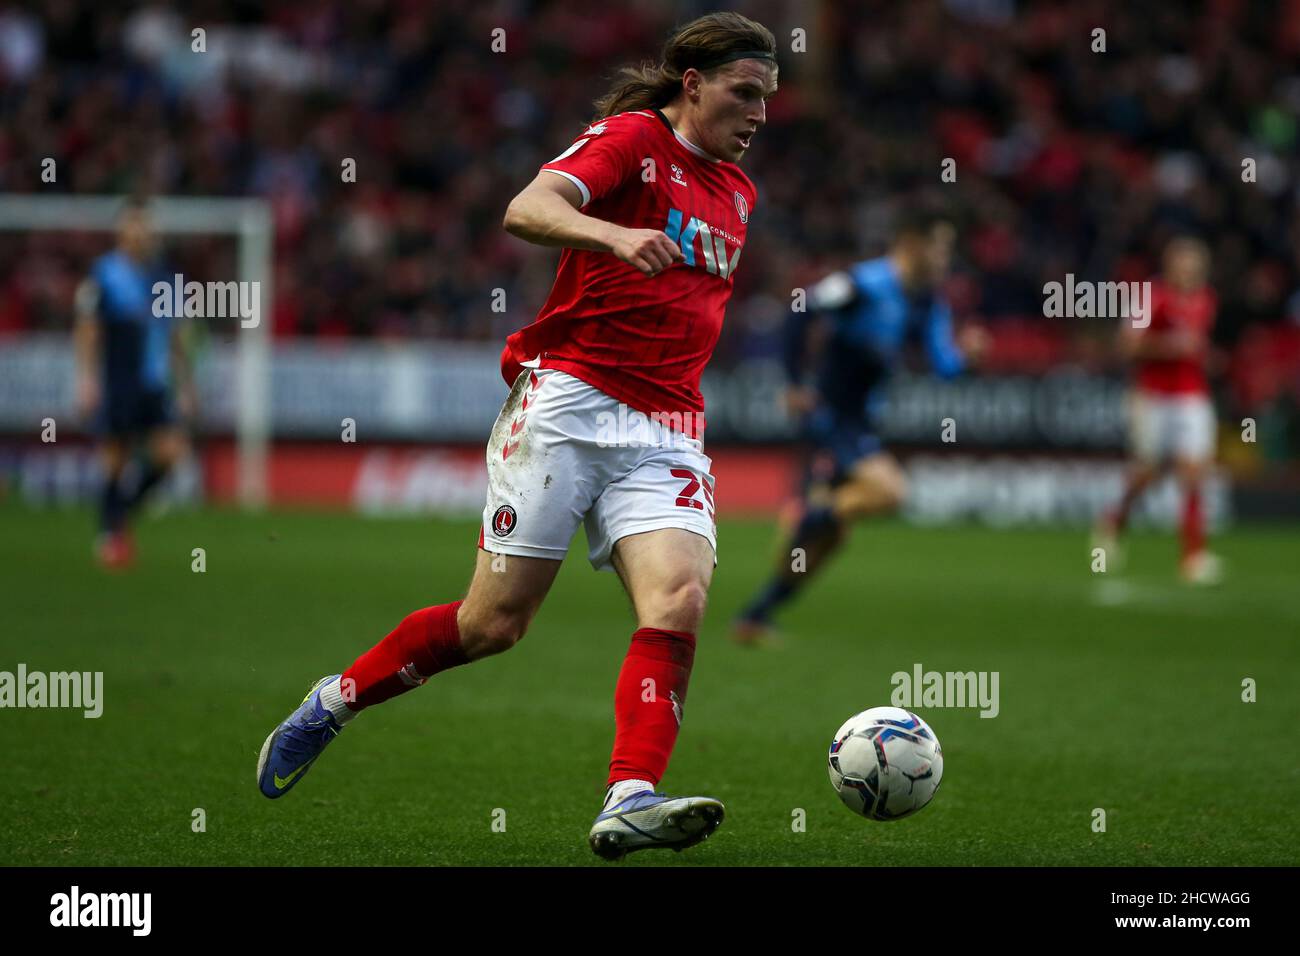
(885, 763)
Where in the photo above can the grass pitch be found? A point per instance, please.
(1120, 692)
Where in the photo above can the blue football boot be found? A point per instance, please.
(293, 746)
(647, 820)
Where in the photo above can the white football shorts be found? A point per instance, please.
(1163, 427)
(564, 452)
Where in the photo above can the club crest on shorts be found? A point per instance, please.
(742, 207)
(503, 521)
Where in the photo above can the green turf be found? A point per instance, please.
(1127, 699)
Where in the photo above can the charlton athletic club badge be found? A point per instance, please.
(742, 207)
(503, 522)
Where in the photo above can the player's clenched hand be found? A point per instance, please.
(648, 250)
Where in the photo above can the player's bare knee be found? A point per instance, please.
(503, 632)
(167, 446)
(167, 454)
(493, 631)
(682, 605)
(112, 459)
(1190, 473)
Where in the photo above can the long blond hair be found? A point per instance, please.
(704, 43)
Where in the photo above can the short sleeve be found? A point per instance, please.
(601, 159)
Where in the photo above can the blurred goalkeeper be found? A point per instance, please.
(128, 362)
(866, 315)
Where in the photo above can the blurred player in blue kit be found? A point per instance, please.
(865, 317)
(133, 378)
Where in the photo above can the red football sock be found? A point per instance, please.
(426, 642)
(648, 701)
(1193, 522)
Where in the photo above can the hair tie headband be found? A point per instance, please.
(737, 55)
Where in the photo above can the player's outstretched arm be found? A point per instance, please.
(546, 213)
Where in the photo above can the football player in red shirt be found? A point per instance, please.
(603, 423)
(1171, 415)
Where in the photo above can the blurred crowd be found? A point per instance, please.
(1076, 151)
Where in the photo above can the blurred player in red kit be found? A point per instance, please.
(603, 423)
(1172, 417)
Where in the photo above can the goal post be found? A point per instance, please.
(249, 222)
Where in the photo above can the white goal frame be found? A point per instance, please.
(250, 223)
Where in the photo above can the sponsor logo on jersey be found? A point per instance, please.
(677, 174)
(711, 241)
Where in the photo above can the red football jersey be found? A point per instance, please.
(643, 340)
(1189, 312)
